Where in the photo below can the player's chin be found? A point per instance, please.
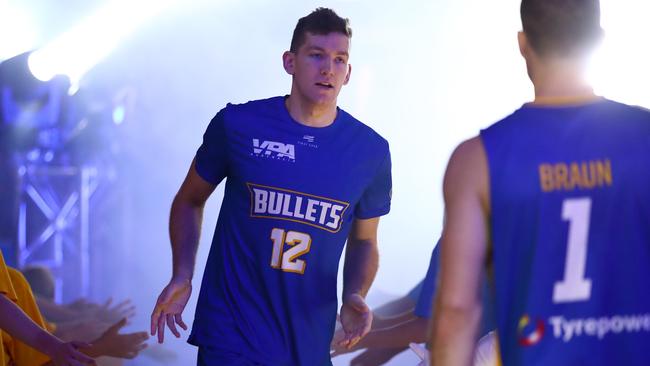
(324, 96)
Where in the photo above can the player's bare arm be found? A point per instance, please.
(457, 311)
(184, 230)
(361, 262)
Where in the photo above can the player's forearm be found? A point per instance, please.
(184, 230)
(15, 322)
(379, 321)
(361, 262)
(412, 330)
(454, 334)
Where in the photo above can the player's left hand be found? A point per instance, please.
(356, 320)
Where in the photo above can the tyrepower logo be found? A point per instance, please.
(566, 330)
(529, 333)
(274, 150)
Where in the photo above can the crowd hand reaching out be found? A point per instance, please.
(169, 307)
(113, 344)
(106, 312)
(85, 329)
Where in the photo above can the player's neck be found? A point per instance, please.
(561, 82)
(309, 113)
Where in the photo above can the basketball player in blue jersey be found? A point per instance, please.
(557, 197)
(302, 177)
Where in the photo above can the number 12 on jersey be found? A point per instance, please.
(287, 260)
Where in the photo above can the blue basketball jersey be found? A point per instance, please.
(292, 192)
(570, 229)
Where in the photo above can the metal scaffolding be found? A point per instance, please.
(53, 223)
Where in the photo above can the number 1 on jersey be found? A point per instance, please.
(299, 243)
(574, 286)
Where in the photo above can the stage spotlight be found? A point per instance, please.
(41, 123)
(619, 67)
(19, 33)
(30, 110)
(82, 47)
(118, 114)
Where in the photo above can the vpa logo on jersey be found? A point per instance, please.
(274, 150)
(278, 203)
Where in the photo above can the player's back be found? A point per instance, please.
(570, 226)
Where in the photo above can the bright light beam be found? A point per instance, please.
(619, 67)
(17, 29)
(82, 47)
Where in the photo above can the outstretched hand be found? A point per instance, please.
(113, 344)
(356, 320)
(169, 307)
(106, 312)
(111, 313)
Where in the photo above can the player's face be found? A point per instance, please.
(320, 67)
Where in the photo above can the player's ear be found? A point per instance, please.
(288, 62)
(523, 44)
(347, 77)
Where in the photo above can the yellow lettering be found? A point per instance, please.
(546, 177)
(588, 175)
(574, 176)
(561, 174)
(604, 173)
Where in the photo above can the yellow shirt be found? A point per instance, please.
(20, 353)
(13, 352)
(6, 289)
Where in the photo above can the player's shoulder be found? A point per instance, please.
(632, 111)
(469, 151)
(268, 106)
(241, 115)
(255, 105)
(467, 165)
(361, 130)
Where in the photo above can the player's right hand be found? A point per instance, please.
(169, 307)
(356, 320)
